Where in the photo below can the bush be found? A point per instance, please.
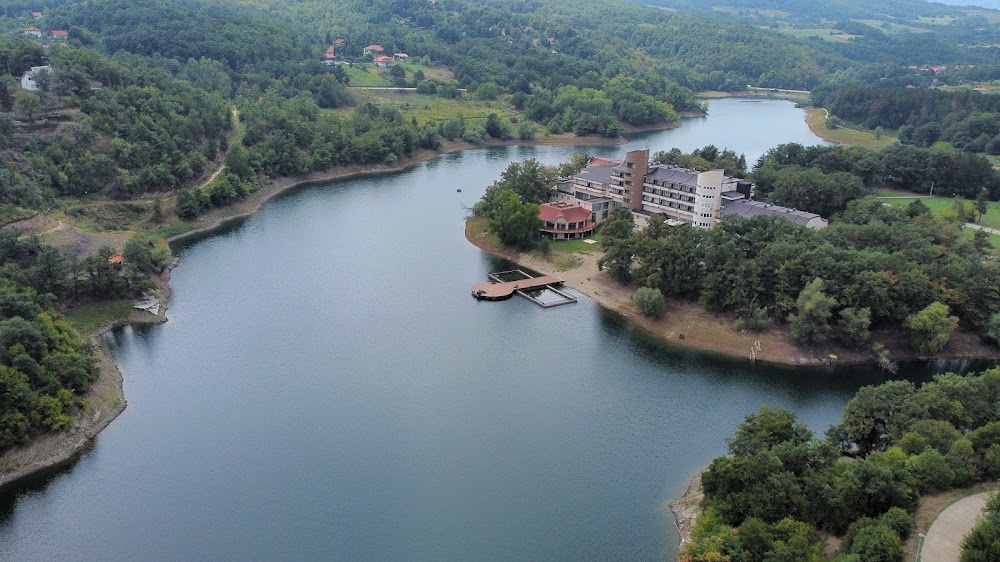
(649, 301)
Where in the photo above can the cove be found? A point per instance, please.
(326, 387)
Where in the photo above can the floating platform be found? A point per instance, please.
(497, 289)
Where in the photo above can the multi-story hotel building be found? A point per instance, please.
(680, 195)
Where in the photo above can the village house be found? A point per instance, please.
(28, 78)
(60, 34)
(384, 61)
(33, 32)
(36, 15)
(564, 221)
(681, 196)
(374, 50)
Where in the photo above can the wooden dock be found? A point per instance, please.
(500, 291)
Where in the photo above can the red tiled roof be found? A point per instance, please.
(378, 48)
(31, 29)
(60, 33)
(549, 212)
(383, 58)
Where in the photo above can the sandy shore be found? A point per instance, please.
(687, 325)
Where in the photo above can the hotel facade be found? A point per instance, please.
(680, 195)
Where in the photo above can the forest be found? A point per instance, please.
(896, 441)
(45, 366)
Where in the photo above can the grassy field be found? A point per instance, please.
(434, 109)
(86, 318)
(893, 27)
(849, 137)
(824, 33)
(946, 205)
(943, 20)
(365, 77)
(994, 239)
(439, 73)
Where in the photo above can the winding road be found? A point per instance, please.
(944, 539)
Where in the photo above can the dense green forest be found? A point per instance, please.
(896, 441)
(45, 366)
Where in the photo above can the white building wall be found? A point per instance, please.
(708, 198)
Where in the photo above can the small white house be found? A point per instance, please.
(28, 78)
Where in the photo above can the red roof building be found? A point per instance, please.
(60, 34)
(384, 61)
(564, 221)
(33, 31)
(374, 49)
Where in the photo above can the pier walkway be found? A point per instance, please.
(499, 291)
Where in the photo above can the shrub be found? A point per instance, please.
(649, 301)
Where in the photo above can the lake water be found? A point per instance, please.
(326, 387)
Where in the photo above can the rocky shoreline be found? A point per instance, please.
(105, 401)
(685, 510)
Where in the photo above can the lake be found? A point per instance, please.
(326, 387)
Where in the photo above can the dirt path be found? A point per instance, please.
(983, 228)
(944, 539)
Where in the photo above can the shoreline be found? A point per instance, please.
(105, 401)
(218, 218)
(686, 509)
(688, 327)
(106, 396)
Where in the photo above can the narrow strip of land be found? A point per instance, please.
(944, 539)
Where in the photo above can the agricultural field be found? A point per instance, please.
(365, 76)
(438, 73)
(891, 27)
(435, 109)
(824, 33)
(943, 20)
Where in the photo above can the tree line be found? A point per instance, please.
(965, 119)
(875, 266)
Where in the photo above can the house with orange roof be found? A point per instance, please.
(373, 49)
(565, 221)
(384, 61)
(60, 34)
(33, 32)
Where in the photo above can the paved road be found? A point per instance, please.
(981, 227)
(944, 539)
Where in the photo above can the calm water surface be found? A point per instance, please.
(327, 388)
